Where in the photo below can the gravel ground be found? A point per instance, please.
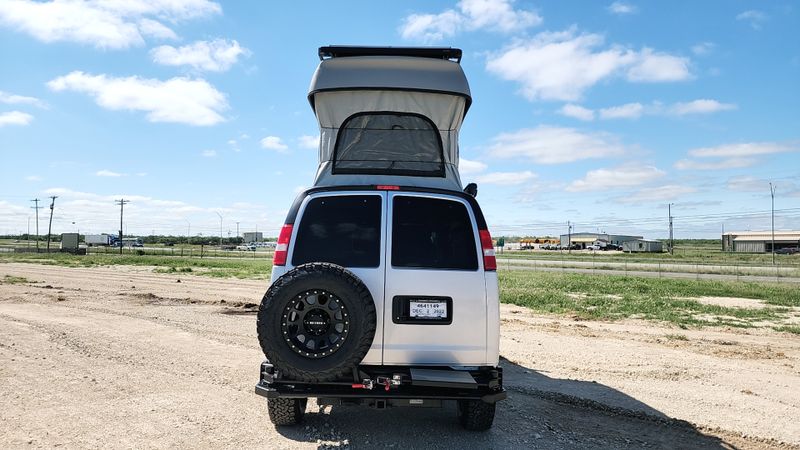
(123, 357)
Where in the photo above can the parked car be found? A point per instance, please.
(384, 289)
(787, 251)
(593, 247)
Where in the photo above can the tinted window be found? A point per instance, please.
(389, 144)
(344, 230)
(432, 233)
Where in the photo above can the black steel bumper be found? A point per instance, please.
(487, 385)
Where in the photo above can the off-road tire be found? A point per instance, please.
(476, 415)
(350, 290)
(286, 411)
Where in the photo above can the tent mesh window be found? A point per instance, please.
(388, 143)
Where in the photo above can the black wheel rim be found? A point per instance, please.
(315, 323)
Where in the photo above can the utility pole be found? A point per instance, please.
(188, 231)
(121, 202)
(772, 194)
(50, 226)
(671, 242)
(37, 208)
(28, 236)
(569, 236)
(220, 228)
(237, 232)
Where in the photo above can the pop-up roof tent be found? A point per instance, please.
(389, 115)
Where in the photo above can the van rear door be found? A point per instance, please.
(435, 297)
(348, 229)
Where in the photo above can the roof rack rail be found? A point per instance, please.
(340, 51)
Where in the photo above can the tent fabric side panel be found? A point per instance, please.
(333, 108)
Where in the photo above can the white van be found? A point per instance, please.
(384, 285)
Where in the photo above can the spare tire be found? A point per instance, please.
(316, 322)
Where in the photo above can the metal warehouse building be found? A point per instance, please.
(758, 241)
(585, 239)
(250, 236)
(643, 245)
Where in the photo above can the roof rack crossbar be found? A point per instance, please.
(340, 51)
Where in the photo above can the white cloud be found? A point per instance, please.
(506, 178)
(12, 99)
(108, 173)
(703, 48)
(309, 142)
(747, 183)
(158, 30)
(655, 194)
(102, 24)
(621, 8)
(218, 55)
(620, 177)
(497, 15)
(626, 111)
(742, 150)
(178, 100)
(754, 17)
(273, 143)
(469, 167)
(15, 118)
(635, 110)
(493, 15)
(576, 112)
(562, 65)
(208, 153)
(33, 178)
(723, 164)
(652, 66)
(700, 106)
(554, 145)
(431, 27)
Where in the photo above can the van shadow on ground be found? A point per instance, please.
(540, 412)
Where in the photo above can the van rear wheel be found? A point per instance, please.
(286, 411)
(316, 322)
(476, 415)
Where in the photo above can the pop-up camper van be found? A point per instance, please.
(384, 285)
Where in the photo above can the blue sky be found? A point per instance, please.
(600, 113)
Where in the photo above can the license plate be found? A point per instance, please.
(427, 310)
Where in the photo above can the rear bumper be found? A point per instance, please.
(486, 385)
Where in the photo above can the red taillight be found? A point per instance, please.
(282, 249)
(489, 261)
(387, 187)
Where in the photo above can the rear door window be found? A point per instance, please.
(431, 233)
(344, 230)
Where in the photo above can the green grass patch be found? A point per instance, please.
(609, 297)
(10, 279)
(789, 329)
(211, 267)
(676, 337)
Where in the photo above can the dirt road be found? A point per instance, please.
(122, 357)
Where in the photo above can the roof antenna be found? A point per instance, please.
(472, 189)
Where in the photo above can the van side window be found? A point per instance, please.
(433, 234)
(343, 230)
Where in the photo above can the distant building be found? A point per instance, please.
(643, 245)
(69, 241)
(759, 241)
(586, 239)
(253, 236)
